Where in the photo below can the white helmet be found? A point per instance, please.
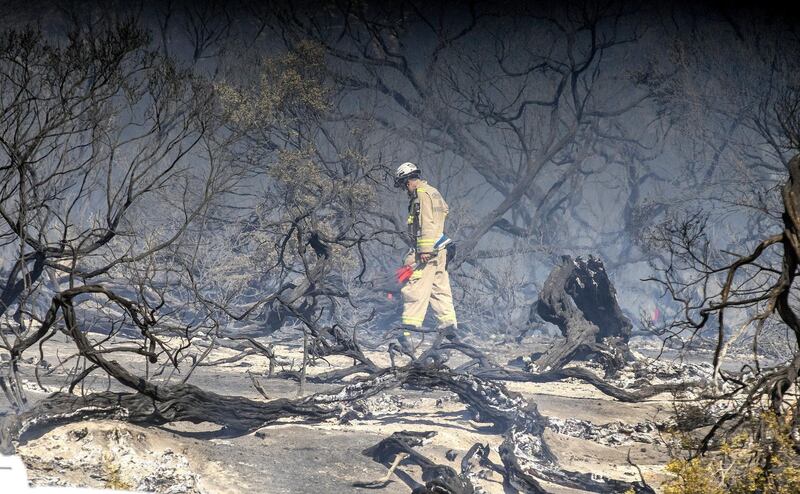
(405, 171)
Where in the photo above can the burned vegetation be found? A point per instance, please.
(182, 191)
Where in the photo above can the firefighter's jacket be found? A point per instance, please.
(429, 283)
(427, 212)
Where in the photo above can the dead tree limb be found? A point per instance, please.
(624, 395)
(438, 478)
(525, 454)
(185, 403)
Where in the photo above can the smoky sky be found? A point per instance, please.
(601, 221)
(241, 13)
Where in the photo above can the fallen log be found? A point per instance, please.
(238, 415)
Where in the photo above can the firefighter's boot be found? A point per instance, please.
(405, 343)
(450, 332)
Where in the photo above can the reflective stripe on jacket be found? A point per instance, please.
(427, 212)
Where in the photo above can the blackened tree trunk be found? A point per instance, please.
(579, 298)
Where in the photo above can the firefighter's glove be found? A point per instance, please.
(425, 257)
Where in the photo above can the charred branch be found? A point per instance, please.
(179, 403)
(438, 478)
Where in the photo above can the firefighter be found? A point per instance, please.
(429, 283)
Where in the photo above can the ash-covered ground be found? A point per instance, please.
(588, 432)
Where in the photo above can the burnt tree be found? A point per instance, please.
(579, 298)
(759, 286)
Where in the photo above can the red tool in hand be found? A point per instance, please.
(404, 273)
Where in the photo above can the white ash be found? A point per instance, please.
(382, 404)
(611, 434)
(644, 373)
(109, 458)
(443, 400)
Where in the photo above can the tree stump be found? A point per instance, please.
(579, 298)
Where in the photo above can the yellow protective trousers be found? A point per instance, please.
(429, 284)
